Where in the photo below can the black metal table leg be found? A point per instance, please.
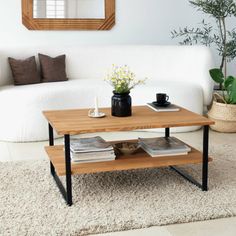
(51, 143)
(186, 176)
(205, 158)
(68, 170)
(66, 192)
(167, 132)
(51, 137)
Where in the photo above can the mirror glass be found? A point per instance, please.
(66, 9)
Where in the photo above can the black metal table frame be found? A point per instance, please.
(67, 191)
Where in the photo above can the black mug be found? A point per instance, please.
(162, 98)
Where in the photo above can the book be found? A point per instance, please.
(94, 149)
(92, 156)
(90, 151)
(93, 144)
(170, 108)
(164, 146)
(163, 154)
(95, 160)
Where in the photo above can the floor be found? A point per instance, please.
(219, 227)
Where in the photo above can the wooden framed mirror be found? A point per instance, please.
(68, 14)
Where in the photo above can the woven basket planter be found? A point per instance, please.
(224, 116)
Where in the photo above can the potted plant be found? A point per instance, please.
(223, 39)
(223, 110)
(122, 80)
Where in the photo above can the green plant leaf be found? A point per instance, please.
(228, 82)
(233, 92)
(217, 75)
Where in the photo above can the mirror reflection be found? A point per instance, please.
(79, 9)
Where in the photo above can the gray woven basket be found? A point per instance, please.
(224, 116)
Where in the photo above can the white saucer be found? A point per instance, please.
(100, 115)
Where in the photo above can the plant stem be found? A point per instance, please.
(225, 49)
(223, 58)
(223, 34)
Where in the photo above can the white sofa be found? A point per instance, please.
(180, 71)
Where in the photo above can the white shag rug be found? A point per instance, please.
(30, 203)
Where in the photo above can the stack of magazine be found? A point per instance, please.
(95, 149)
(164, 146)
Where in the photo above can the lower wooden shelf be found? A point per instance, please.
(139, 160)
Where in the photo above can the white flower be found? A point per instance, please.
(122, 78)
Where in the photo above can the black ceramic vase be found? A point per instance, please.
(121, 104)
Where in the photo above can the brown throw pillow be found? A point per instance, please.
(24, 71)
(53, 69)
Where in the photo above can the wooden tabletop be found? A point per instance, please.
(77, 121)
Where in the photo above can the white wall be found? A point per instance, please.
(137, 22)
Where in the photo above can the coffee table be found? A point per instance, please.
(72, 122)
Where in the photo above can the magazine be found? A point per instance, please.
(154, 154)
(94, 149)
(86, 156)
(94, 160)
(164, 146)
(92, 144)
